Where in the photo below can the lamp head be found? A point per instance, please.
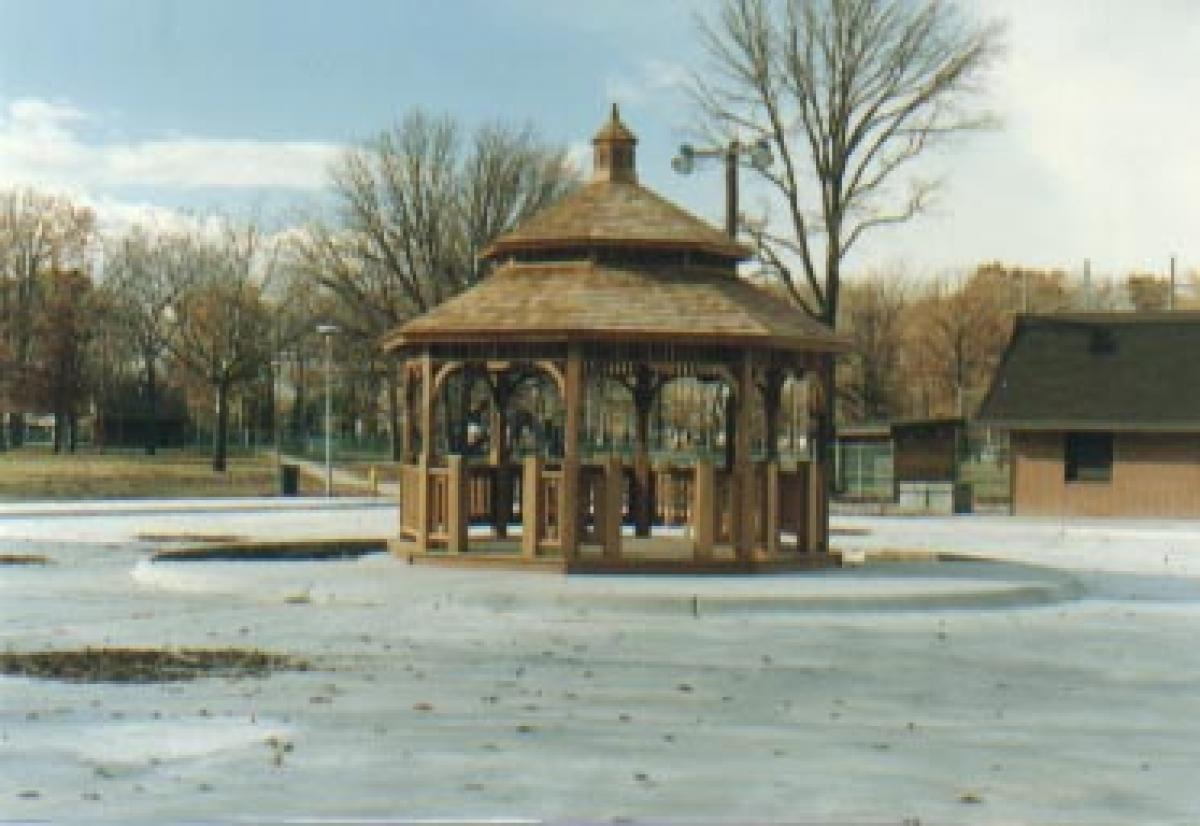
(760, 154)
(685, 162)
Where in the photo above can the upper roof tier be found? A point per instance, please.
(614, 211)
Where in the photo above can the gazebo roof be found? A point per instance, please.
(615, 214)
(614, 210)
(583, 301)
(579, 271)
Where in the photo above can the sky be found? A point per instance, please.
(148, 108)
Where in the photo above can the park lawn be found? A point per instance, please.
(37, 473)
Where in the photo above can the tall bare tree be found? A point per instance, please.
(222, 329)
(415, 211)
(848, 93)
(145, 274)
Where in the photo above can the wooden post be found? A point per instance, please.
(425, 454)
(771, 518)
(410, 415)
(743, 487)
(704, 514)
(569, 484)
(456, 505)
(812, 513)
(531, 506)
(611, 510)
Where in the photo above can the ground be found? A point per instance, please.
(1056, 684)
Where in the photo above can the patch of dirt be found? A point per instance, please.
(145, 665)
(24, 559)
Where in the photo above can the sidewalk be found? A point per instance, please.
(133, 507)
(342, 477)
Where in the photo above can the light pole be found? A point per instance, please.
(758, 153)
(328, 330)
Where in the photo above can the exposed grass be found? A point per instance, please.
(145, 665)
(35, 473)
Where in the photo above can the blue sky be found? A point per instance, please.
(143, 106)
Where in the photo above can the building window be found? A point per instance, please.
(1089, 457)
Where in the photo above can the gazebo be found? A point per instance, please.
(612, 286)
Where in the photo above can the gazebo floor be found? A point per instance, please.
(639, 555)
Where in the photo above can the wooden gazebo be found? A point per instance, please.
(610, 284)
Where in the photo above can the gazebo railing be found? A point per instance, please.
(752, 512)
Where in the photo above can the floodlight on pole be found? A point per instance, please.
(328, 331)
(757, 153)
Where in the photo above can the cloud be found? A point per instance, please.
(649, 81)
(43, 144)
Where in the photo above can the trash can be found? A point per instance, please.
(289, 480)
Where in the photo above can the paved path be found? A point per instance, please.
(341, 476)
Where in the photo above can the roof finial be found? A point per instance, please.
(613, 159)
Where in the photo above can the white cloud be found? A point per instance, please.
(43, 144)
(651, 81)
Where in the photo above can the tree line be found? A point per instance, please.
(928, 346)
(152, 323)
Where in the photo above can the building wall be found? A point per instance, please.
(1154, 474)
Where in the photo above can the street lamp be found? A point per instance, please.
(757, 153)
(328, 331)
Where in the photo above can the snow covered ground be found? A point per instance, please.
(1055, 683)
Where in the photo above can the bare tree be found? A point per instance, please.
(38, 234)
(415, 211)
(957, 333)
(145, 274)
(848, 93)
(222, 327)
(873, 316)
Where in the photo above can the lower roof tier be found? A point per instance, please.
(582, 301)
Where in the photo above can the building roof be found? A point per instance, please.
(614, 210)
(1099, 371)
(584, 301)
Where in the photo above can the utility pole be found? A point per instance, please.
(1171, 286)
(327, 330)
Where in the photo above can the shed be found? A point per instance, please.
(1103, 411)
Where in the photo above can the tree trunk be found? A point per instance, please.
(151, 407)
(60, 426)
(72, 431)
(221, 430)
(16, 429)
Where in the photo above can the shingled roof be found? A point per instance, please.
(1099, 371)
(614, 210)
(612, 262)
(582, 301)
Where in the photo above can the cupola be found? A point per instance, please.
(613, 156)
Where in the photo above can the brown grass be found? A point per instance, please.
(30, 473)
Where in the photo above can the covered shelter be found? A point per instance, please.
(612, 286)
(1103, 411)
